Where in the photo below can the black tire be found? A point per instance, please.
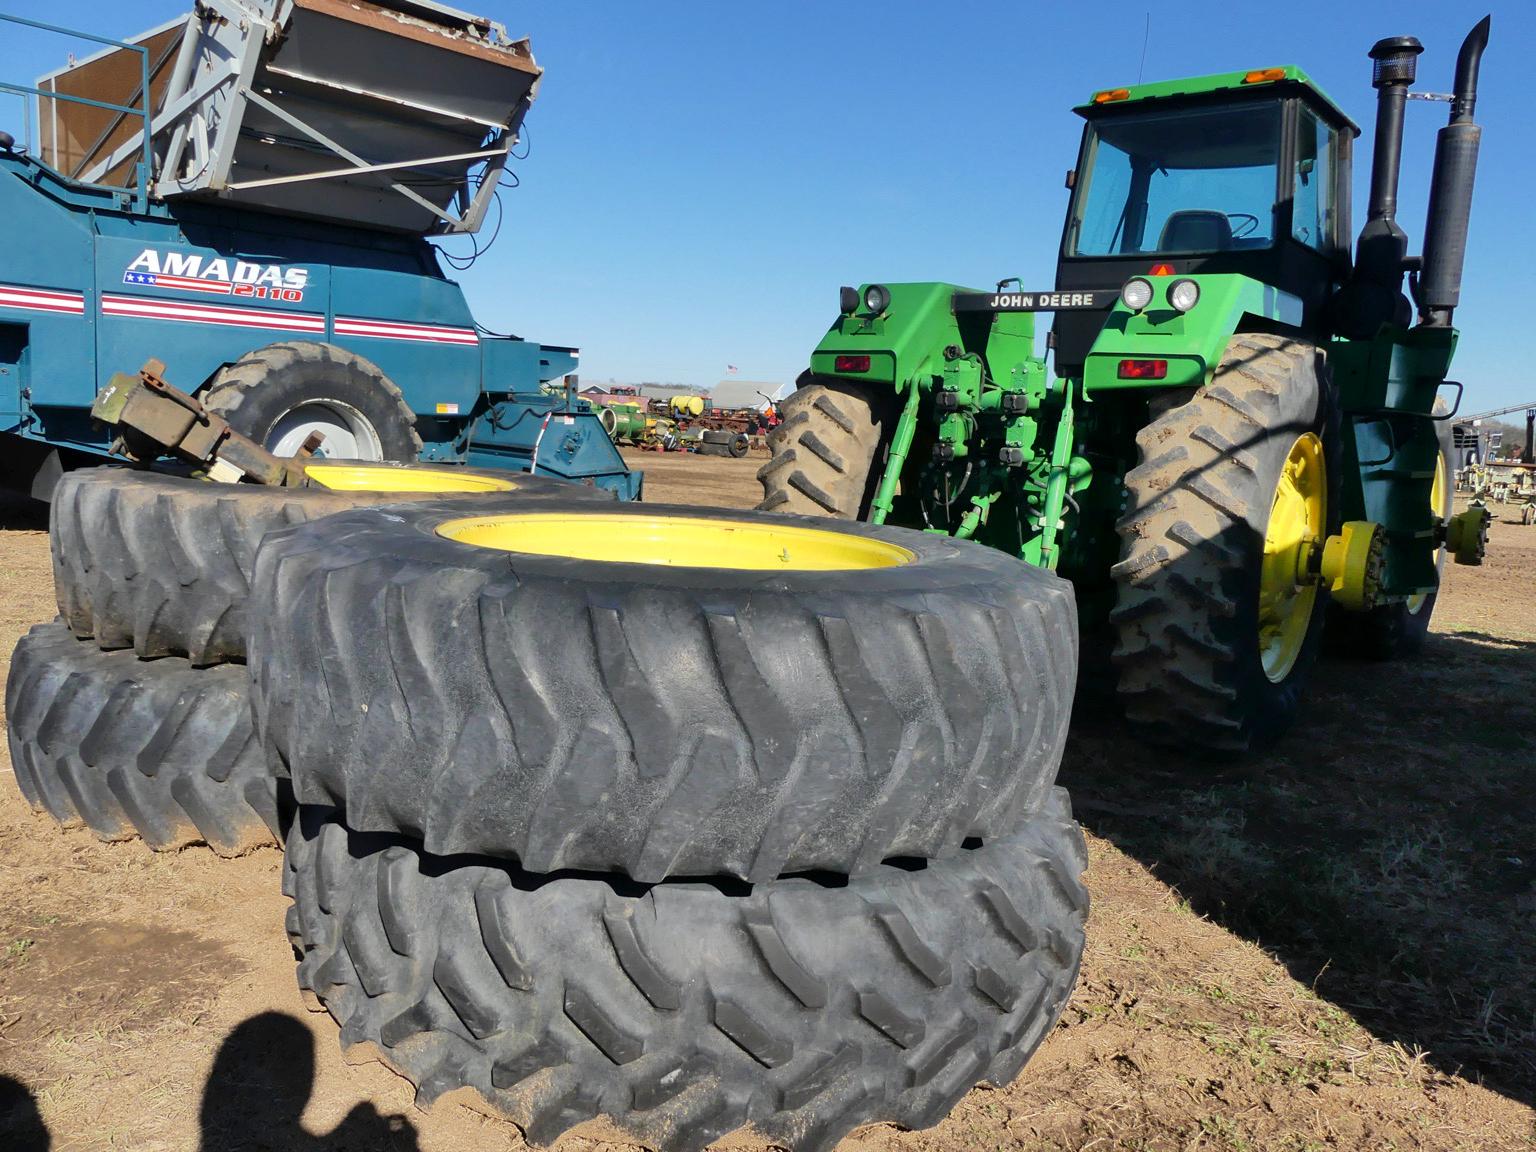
(129, 747)
(659, 720)
(1185, 622)
(258, 390)
(686, 1011)
(1394, 631)
(161, 563)
(716, 436)
(739, 445)
(824, 451)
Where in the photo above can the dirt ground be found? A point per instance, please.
(1331, 946)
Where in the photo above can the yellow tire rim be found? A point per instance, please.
(382, 478)
(676, 541)
(1437, 495)
(1297, 520)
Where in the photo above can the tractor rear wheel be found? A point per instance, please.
(684, 1011)
(1214, 639)
(149, 748)
(161, 562)
(280, 394)
(660, 691)
(825, 450)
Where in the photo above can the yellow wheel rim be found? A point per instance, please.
(1437, 506)
(382, 478)
(1297, 519)
(676, 541)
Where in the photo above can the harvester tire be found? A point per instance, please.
(149, 748)
(685, 1011)
(1396, 630)
(660, 718)
(825, 450)
(161, 563)
(1198, 504)
(257, 391)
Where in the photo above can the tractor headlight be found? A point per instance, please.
(877, 298)
(847, 300)
(1183, 294)
(1136, 294)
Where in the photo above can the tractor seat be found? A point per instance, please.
(1200, 230)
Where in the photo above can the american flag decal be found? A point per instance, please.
(180, 283)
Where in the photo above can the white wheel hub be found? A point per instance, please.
(348, 434)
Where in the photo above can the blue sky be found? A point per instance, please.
(703, 176)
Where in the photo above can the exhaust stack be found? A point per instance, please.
(1450, 193)
(1382, 250)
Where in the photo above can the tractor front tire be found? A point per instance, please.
(267, 393)
(825, 450)
(1187, 647)
(685, 1011)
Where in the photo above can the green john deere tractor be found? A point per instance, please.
(1244, 435)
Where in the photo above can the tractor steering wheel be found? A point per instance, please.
(1248, 226)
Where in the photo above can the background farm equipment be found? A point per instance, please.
(685, 423)
(1241, 432)
(247, 194)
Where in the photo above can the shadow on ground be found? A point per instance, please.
(261, 1082)
(22, 513)
(21, 1125)
(1385, 851)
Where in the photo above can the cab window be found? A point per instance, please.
(1313, 220)
(1187, 181)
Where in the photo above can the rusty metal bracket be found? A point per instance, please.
(153, 418)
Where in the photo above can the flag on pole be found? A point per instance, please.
(731, 369)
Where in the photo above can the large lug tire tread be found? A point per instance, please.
(1198, 502)
(161, 563)
(1391, 631)
(127, 747)
(683, 1012)
(824, 451)
(659, 721)
(256, 390)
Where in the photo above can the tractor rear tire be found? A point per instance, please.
(263, 388)
(1186, 619)
(129, 747)
(684, 1011)
(825, 450)
(1395, 631)
(660, 718)
(161, 563)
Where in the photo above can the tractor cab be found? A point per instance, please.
(1244, 172)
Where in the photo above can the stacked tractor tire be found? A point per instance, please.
(691, 820)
